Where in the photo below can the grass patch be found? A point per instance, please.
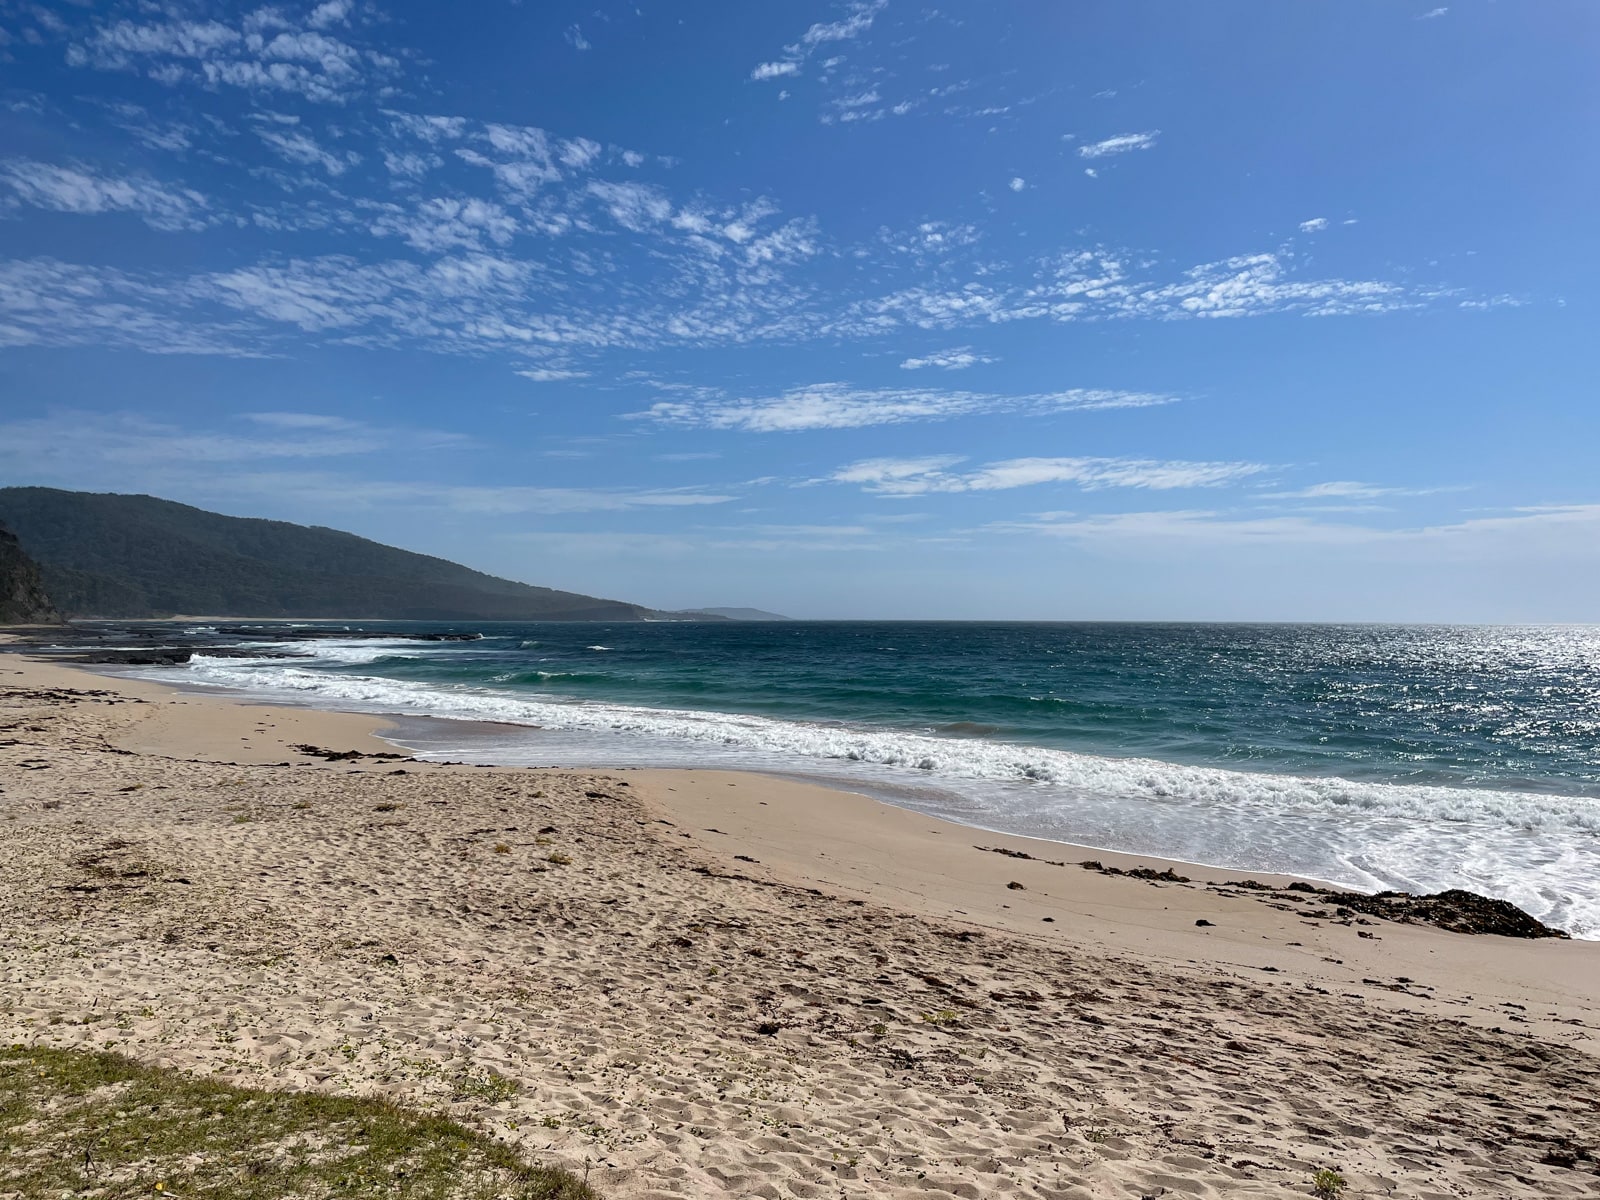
(75, 1122)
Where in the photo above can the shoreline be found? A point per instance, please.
(1359, 831)
(885, 852)
(703, 983)
(386, 729)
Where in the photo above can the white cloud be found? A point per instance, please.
(297, 146)
(1122, 143)
(578, 153)
(552, 374)
(1017, 183)
(45, 302)
(409, 165)
(448, 223)
(430, 129)
(70, 441)
(1563, 532)
(333, 12)
(1314, 225)
(265, 53)
(1433, 14)
(1349, 489)
(858, 18)
(774, 70)
(958, 359)
(575, 38)
(638, 207)
(923, 476)
(124, 450)
(77, 189)
(839, 406)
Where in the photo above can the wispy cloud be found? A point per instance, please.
(46, 302)
(858, 18)
(1121, 143)
(239, 458)
(79, 189)
(299, 147)
(1314, 225)
(840, 406)
(1534, 531)
(552, 374)
(958, 359)
(71, 441)
(1433, 14)
(1349, 489)
(922, 476)
(265, 52)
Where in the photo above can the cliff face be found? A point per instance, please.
(22, 598)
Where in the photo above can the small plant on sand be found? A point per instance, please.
(385, 807)
(558, 858)
(1328, 1183)
(241, 819)
(487, 1085)
(301, 804)
(501, 848)
(945, 1016)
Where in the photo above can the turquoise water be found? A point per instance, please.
(1418, 757)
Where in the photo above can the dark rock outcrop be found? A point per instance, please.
(22, 596)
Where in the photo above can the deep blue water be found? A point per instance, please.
(1371, 755)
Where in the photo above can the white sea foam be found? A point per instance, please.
(1528, 847)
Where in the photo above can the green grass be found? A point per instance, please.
(75, 1123)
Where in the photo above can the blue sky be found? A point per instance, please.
(1213, 310)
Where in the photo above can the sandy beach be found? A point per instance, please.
(700, 983)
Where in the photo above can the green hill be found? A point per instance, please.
(107, 555)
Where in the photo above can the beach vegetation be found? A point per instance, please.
(502, 848)
(558, 858)
(487, 1085)
(75, 1122)
(1328, 1183)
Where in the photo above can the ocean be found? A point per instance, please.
(1408, 757)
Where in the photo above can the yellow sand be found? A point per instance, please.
(865, 1010)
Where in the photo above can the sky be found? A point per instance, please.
(1102, 309)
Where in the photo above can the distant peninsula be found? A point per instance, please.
(128, 557)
